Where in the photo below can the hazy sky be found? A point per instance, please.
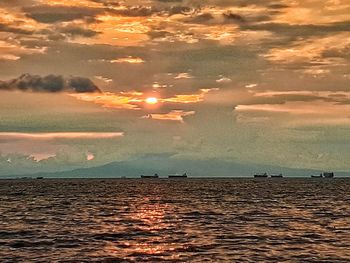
(252, 81)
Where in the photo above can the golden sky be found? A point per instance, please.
(233, 80)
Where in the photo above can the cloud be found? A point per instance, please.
(134, 100)
(136, 11)
(127, 101)
(170, 1)
(150, 10)
(301, 112)
(17, 2)
(38, 157)
(81, 85)
(224, 80)
(188, 98)
(130, 60)
(234, 17)
(317, 51)
(10, 29)
(90, 156)
(73, 31)
(60, 13)
(104, 79)
(174, 115)
(278, 6)
(202, 18)
(183, 75)
(10, 49)
(59, 135)
(261, 54)
(49, 83)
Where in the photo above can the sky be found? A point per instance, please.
(84, 83)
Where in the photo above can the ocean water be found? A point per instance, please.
(189, 220)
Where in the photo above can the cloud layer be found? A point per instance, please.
(59, 135)
(246, 80)
(49, 83)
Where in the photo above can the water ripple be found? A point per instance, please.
(193, 220)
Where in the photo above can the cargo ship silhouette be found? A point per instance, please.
(177, 175)
(276, 175)
(150, 176)
(324, 175)
(265, 175)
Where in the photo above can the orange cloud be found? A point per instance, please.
(73, 3)
(190, 98)
(130, 60)
(118, 30)
(314, 12)
(132, 100)
(174, 115)
(313, 50)
(122, 100)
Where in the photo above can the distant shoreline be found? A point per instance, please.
(172, 179)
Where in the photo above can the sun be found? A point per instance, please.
(152, 100)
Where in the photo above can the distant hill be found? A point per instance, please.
(164, 165)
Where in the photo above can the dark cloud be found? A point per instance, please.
(244, 3)
(14, 3)
(194, 16)
(137, 11)
(278, 6)
(202, 18)
(73, 31)
(234, 17)
(300, 30)
(52, 14)
(49, 83)
(144, 11)
(107, 2)
(80, 85)
(70, 31)
(11, 29)
(180, 10)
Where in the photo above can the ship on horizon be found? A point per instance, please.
(276, 175)
(266, 175)
(177, 175)
(150, 176)
(324, 175)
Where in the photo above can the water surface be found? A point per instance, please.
(190, 220)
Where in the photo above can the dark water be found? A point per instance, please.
(191, 220)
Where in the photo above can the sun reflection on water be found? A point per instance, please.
(149, 219)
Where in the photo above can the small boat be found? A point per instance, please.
(177, 175)
(264, 175)
(150, 176)
(40, 178)
(276, 175)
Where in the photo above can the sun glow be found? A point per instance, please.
(151, 100)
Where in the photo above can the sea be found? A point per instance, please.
(175, 220)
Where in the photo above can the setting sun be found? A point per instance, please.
(152, 100)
